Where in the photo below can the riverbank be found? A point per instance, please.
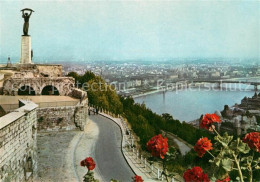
(147, 93)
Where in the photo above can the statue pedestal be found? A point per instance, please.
(26, 50)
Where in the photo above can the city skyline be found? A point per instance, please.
(120, 30)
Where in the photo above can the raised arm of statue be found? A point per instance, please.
(26, 16)
(27, 9)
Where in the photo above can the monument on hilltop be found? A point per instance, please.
(33, 79)
(26, 57)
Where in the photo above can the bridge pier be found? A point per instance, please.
(219, 85)
(255, 88)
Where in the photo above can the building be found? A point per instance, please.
(252, 103)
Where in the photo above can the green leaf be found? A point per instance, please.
(242, 147)
(237, 179)
(239, 146)
(221, 173)
(224, 140)
(227, 151)
(243, 168)
(227, 164)
(217, 160)
(213, 178)
(248, 159)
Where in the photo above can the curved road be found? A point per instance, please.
(109, 158)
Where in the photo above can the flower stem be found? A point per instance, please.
(250, 173)
(211, 154)
(165, 171)
(216, 132)
(250, 168)
(238, 167)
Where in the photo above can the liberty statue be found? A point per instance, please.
(26, 18)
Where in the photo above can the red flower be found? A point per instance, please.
(158, 146)
(82, 163)
(227, 179)
(89, 163)
(208, 120)
(202, 146)
(138, 179)
(195, 174)
(253, 140)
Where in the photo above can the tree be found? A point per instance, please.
(167, 117)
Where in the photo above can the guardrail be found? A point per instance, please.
(154, 171)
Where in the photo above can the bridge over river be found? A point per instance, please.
(219, 82)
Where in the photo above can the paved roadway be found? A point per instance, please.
(109, 158)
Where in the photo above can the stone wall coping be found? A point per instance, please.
(48, 64)
(79, 90)
(42, 78)
(34, 64)
(16, 114)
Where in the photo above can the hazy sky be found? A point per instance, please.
(119, 30)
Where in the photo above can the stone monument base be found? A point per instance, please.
(26, 50)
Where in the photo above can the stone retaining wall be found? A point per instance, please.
(18, 156)
(65, 118)
(62, 118)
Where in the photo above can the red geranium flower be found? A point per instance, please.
(158, 146)
(138, 179)
(89, 163)
(82, 163)
(227, 179)
(253, 140)
(202, 146)
(208, 120)
(195, 174)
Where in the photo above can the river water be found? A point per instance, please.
(189, 104)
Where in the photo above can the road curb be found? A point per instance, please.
(73, 157)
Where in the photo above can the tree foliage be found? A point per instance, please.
(100, 94)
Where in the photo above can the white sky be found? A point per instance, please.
(121, 30)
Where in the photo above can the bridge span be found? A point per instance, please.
(219, 82)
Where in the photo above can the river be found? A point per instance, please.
(187, 104)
